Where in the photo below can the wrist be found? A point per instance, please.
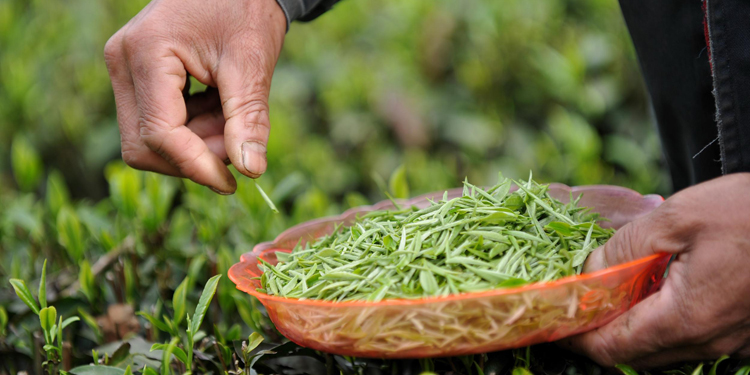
(291, 10)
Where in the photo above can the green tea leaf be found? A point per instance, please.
(626, 370)
(266, 198)
(166, 358)
(47, 318)
(120, 355)
(50, 348)
(325, 253)
(177, 351)
(3, 321)
(159, 193)
(58, 328)
(125, 185)
(200, 311)
(234, 333)
(90, 321)
(743, 371)
(500, 216)
(521, 371)
(97, 370)
(251, 316)
(397, 183)
(252, 342)
(70, 321)
(131, 281)
(70, 233)
(716, 364)
(698, 370)
(57, 195)
(178, 301)
(43, 286)
(23, 292)
(86, 280)
(158, 324)
(428, 282)
(563, 228)
(26, 163)
(510, 283)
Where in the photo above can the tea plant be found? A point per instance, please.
(51, 326)
(191, 334)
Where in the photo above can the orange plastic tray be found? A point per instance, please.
(467, 323)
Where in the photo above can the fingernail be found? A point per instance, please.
(217, 191)
(254, 157)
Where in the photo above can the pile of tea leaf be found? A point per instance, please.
(483, 240)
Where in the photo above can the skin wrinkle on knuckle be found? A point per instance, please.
(601, 350)
(185, 164)
(238, 106)
(151, 125)
(679, 326)
(260, 131)
(663, 334)
(155, 140)
(133, 158)
(159, 60)
(248, 56)
(619, 249)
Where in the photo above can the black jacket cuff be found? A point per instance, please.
(304, 10)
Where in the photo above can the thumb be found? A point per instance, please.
(245, 106)
(640, 238)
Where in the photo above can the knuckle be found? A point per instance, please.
(250, 53)
(619, 249)
(183, 153)
(257, 56)
(602, 353)
(250, 104)
(154, 140)
(142, 45)
(677, 218)
(132, 37)
(113, 49)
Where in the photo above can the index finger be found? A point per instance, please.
(158, 83)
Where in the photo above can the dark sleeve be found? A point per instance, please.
(669, 38)
(304, 10)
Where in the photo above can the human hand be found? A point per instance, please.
(230, 46)
(703, 308)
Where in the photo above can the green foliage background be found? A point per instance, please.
(446, 89)
(451, 89)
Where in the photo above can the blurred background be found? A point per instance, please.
(373, 95)
(449, 89)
